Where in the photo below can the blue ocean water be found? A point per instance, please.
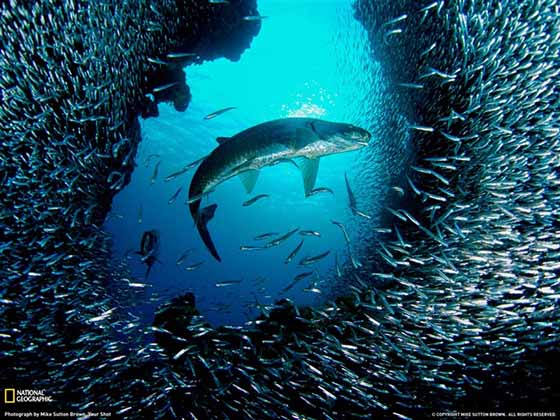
(320, 67)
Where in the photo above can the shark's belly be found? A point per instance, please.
(250, 159)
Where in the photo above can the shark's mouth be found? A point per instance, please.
(473, 265)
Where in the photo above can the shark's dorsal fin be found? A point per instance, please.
(304, 136)
(309, 169)
(249, 179)
(222, 140)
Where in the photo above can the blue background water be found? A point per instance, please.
(309, 59)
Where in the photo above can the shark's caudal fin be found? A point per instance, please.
(204, 216)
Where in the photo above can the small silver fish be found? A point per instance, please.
(183, 170)
(303, 275)
(194, 266)
(343, 229)
(314, 259)
(254, 199)
(297, 279)
(320, 190)
(180, 55)
(310, 233)
(281, 239)
(155, 174)
(163, 87)
(254, 18)
(362, 214)
(219, 112)
(227, 283)
(293, 253)
(157, 61)
(183, 256)
(265, 236)
(250, 248)
(174, 196)
(337, 267)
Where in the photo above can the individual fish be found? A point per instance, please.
(313, 259)
(391, 33)
(251, 248)
(411, 85)
(257, 147)
(183, 256)
(303, 275)
(218, 1)
(149, 248)
(398, 190)
(362, 214)
(219, 112)
(253, 18)
(337, 267)
(180, 55)
(422, 128)
(320, 190)
(174, 196)
(101, 317)
(296, 280)
(185, 169)
(281, 239)
(255, 199)
(140, 212)
(163, 87)
(149, 159)
(157, 61)
(313, 289)
(155, 174)
(228, 283)
(310, 233)
(194, 266)
(395, 20)
(265, 236)
(343, 230)
(290, 257)
(351, 198)
(138, 285)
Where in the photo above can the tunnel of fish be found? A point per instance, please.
(457, 307)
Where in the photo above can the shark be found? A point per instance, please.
(301, 141)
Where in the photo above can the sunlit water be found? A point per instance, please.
(309, 59)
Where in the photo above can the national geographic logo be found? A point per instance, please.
(12, 395)
(9, 396)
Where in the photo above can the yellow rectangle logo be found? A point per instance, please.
(9, 395)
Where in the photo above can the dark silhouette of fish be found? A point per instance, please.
(149, 249)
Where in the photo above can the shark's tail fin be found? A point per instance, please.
(204, 216)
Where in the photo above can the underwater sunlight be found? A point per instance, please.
(321, 68)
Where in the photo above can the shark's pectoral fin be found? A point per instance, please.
(249, 179)
(222, 140)
(309, 169)
(304, 136)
